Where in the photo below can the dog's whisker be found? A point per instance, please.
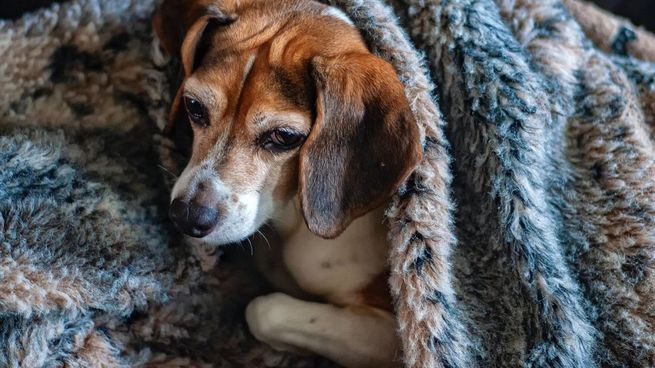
(167, 171)
(252, 251)
(265, 238)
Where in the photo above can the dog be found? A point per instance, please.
(294, 123)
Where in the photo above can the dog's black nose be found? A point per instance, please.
(192, 219)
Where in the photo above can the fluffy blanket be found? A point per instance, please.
(525, 237)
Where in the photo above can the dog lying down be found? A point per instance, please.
(293, 119)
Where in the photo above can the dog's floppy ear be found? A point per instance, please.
(174, 20)
(363, 144)
(180, 26)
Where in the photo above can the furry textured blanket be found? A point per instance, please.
(525, 238)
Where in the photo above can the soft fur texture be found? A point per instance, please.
(524, 238)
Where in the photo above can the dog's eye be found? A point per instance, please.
(196, 111)
(282, 140)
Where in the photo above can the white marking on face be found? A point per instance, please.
(247, 69)
(240, 219)
(241, 214)
(337, 13)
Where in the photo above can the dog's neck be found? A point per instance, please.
(289, 223)
(349, 269)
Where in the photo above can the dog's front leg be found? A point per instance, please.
(350, 336)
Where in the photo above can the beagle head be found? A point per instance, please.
(282, 101)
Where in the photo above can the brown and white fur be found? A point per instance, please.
(261, 72)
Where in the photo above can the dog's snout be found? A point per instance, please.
(193, 219)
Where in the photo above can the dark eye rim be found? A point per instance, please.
(198, 117)
(268, 141)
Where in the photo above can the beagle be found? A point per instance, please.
(296, 124)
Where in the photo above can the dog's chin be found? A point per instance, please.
(220, 238)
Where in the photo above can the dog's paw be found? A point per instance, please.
(268, 320)
(266, 315)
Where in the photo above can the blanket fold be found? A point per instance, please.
(524, 238)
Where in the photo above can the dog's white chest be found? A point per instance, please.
(338, 269)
